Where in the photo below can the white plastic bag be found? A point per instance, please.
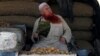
(8, 40)
(11, 39)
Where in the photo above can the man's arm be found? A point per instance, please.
(67, 31)
(34, 34)
(36, 25)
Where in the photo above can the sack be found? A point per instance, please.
(82, 9)
(11, 39)
(19, 8)
(4, 23)
(8, 40)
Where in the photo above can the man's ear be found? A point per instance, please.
(41, 12)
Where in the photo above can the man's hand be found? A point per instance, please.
(62, 40)
(35, 35)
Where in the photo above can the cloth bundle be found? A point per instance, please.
(11, 39)
(8, 40)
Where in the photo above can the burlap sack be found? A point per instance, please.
(85, 45)
(82, 9)
(27, 20)
(80, 23)
(4, 23)
(19, 8)
(82, 35)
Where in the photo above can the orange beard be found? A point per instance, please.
(52, 18)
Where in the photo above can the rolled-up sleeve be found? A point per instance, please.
(35, 25)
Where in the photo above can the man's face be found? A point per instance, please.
(46, 11)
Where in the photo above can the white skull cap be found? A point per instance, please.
(42, 5)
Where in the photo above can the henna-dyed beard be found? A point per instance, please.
(52, 18)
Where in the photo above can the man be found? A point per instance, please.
(52, 30)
